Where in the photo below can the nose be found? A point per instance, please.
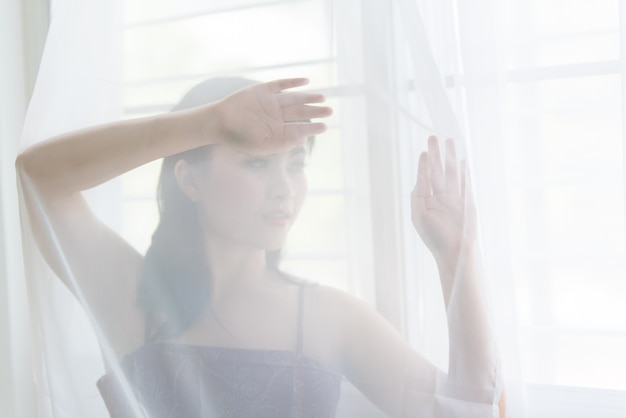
(281, 185)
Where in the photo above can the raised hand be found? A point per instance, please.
(441, 208)
(265, 118)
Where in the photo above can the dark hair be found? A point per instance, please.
(174, 287)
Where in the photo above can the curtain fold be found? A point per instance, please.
(484, 86)
(16, 388)
(79, 85)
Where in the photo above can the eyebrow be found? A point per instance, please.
(294, 151)
(298, 150)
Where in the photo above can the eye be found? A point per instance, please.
(297, 165)
(257, 163)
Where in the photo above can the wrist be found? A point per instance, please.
(454, 266)
(196, 127)
(214, 123)
(452, 256)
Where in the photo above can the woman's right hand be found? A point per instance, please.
(265, 118)
(442, 208)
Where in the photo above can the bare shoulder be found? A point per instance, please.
(342, 314)
(339, 304)
(327, 313)
(345, 316)
(352, 329)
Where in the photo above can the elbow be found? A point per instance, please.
(22, 167)
(30, 165)
(26, 179)
(31, 173)
(20, 162)
(23, 163)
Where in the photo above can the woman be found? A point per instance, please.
(206, 324)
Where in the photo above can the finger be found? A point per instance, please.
(422, 188)
(277, 86)
(436, 167)
(297, 98)
(466, 182)
(305, 112)
(451, 169)
(466, 190)
(300, 131)
(422, 184)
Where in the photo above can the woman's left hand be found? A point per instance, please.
(441, 208)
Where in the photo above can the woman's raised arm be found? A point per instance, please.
(379, 361)
(443, 213)
(96, 264)
(256, 117)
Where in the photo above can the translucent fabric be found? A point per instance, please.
(108, 61)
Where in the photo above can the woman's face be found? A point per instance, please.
(252, 199)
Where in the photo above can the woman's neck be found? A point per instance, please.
(234, 268)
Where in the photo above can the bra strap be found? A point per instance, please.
(299, 344)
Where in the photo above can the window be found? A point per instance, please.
(566, 191)
(255, 39)
(557, 68)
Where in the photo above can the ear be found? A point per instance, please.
(187, 180)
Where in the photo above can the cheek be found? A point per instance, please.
(228, 195)
(301, 189)
(236, 193)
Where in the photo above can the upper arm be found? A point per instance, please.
(380, 363)
(373, 355)
(99, 267)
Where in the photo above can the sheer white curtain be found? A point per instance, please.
(22, 34)
(541, 82)
(81, 61)
(12, 109)
(537, 105)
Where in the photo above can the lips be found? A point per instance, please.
(277, 217)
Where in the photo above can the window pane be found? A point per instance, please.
(147, 10)
(570, 360)
(142, 181)
(325, 167)
(140, 220)
(152, 97)
(590, 295)
(320, 228)
(569, 219)
(572, 294)
(557, 32)
(282, 34)
(566, 129)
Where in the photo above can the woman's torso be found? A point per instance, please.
(187, 380)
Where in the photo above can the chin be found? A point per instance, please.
(268, 242)
(274, 245)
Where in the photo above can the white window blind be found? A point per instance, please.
(192, 41)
